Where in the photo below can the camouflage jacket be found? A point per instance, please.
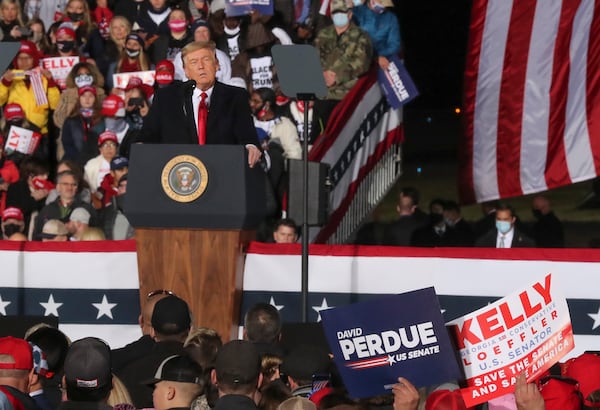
(348, 55)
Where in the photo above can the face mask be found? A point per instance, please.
(65, 46)
(132, 53)
(115, 124)
(86, 112)
(75, 16)
(16, 123)
(503, 226)
(340, 19)
(262, 112)
(231, 31)
(449, 222)
(377, 8)
(357, 3)
(177, 26)
(83, 79)
(11, 229)
(537, 214)
(36, 37)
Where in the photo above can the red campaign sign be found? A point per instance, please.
(22, 140)
(525, 332)
(60, 67)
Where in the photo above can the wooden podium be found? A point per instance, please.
(195, 209)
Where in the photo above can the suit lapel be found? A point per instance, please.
(188, 109)
(213, 113)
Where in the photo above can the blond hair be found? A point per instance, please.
(6, 3)
(198, 45)
(126, 23)
(92, 234)
(119, 393)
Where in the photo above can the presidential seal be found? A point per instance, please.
(184, 178)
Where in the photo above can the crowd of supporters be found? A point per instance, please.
(175, 365)
(75, 96)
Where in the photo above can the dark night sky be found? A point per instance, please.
(434, 34)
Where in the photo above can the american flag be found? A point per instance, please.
(361, 129)
(532, 100)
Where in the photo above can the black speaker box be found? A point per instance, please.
(318, 195)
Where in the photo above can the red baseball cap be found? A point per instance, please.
(86, 88)
(107, 136)
(13, 111)
(561, 394)
(113, 106)
(29, 48)
(445, 400)
(586, 370)
(12, 213)
(19, 350)
(66, 29)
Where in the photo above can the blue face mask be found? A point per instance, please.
(340, 19)
(503, 226)
(357, 3)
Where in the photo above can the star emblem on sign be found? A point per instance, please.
(596, 317)
(51, 307)
(104, 308)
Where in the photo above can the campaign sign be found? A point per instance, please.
(235, 8)
(525, 332)
(375, 342)
(120, 80)
(60, 67)
(396, 83)
(22, 140)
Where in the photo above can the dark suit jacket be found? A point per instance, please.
(520, 240)
(171, 118)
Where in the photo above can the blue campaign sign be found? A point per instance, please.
(375, 342)
(235, 8)
(397, 84)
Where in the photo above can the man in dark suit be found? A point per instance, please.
(505, 235)
(202, 110)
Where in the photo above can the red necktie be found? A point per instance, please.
(202, 116)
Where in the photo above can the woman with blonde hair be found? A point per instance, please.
(11, 20)
(133, 58)
(106, 49)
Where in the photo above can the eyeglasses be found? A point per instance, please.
(160, 292)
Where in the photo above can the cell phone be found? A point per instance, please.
(136, 102)
(25, 31)
(320, 381)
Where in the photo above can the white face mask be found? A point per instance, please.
(340, 19)
(231, 31)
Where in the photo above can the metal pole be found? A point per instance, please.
(305, 216)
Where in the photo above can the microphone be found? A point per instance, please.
(189, 86)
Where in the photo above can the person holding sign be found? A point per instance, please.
(381, 25)
(202, 111)
(29, 86)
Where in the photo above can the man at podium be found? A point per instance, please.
(202, 110)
